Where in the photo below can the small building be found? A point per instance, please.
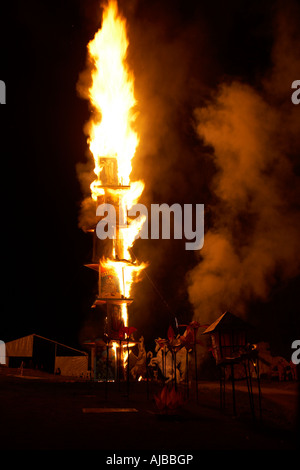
(230, 347)
(37, 352)
(229, 336)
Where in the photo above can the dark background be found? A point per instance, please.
(45, 287)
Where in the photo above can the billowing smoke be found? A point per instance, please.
(253, 241)
(85, 171)
(238, 159)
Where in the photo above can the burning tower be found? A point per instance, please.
(113, 142)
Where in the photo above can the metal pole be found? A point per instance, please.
(196, 372)
(119, 366)
(127, 367)
(106, 379)
(55, 357)
(175, 367)
(249, 386)
(147, 376)
(221, 388)
(251, 390)
(187, 373)
(259, 389)
(233, 388)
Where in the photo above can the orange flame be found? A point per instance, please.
(112, 136)
(112, 95)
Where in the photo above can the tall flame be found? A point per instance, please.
(112, 96)
(112, 137)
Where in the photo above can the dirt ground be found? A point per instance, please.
(44, 412)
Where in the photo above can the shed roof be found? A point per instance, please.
(227, 322)
(23, 347)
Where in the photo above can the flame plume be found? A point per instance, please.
(113, 141)
(112, 96)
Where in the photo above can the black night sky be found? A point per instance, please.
(180, 52)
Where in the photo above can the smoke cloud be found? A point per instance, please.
(205, 137)
(253, 133)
